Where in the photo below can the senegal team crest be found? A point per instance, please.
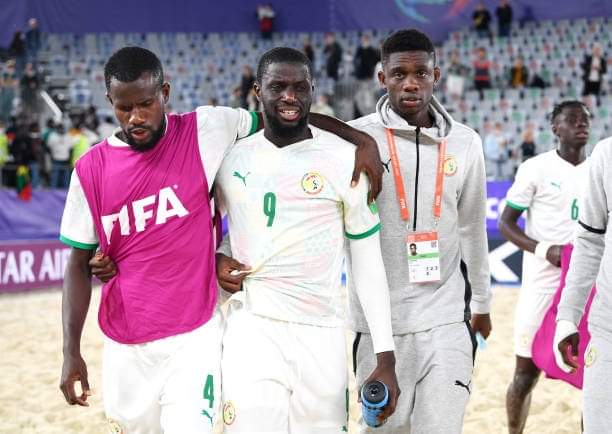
(590, 356)
(312, 183)
(450, 165)
(229, 413)
(114, 427)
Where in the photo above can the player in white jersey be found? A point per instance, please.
(290, 211)
(547, 187)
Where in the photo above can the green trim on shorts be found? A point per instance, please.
(515, 206)
(76, 244)
(254, 123)
(364, 234)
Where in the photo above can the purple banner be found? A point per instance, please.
(435, 17)
(35, 219)
(26, 265)
(496, 195)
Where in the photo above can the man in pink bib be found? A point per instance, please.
(142, 196)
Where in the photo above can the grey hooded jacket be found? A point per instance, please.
(464, 287)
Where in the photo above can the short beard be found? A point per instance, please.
(281, 130)
(143, 147)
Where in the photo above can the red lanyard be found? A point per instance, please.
(399, 182)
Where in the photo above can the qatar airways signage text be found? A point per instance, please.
(32, 264)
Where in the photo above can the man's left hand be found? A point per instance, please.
(367, 159)
(481, 322)
(102, 267)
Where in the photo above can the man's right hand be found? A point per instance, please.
(385, 373)
(566, 336)
(102, 267)
(230, 273)
(74, 369)
(553, 255)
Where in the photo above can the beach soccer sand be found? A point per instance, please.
(30, 364)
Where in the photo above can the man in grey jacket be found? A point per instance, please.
(434, 196)
(592, 251)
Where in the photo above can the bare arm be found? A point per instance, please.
(511, 231)
(75, 303)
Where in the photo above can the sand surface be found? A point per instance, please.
(30, 363)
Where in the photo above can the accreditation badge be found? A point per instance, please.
(423, 257)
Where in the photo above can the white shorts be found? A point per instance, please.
(170, 385)
(282, 377)
(528, 315)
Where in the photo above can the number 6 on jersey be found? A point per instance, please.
(269, 207)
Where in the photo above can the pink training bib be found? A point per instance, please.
(153, 218)
(541, 349)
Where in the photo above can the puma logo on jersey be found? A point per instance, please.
(207, 415)
(556, 184)
(168, 205)
(386, 165)
(465, 386)
(239, 176)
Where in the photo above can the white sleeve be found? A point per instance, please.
(77, 228)
(590, 240)
(471, 222)
(520, 195)
(360, 219)
(218, 130)
(370, 281)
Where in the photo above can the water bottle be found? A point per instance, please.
(374, 398)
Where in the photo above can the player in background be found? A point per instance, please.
(290, 212)
(437, 292)
(591, 259)
(547, 186)
(142, 195)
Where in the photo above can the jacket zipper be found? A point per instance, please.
(416, 180)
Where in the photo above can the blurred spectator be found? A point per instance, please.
(49, 127)
(504, 18)
(17, 52)
(496, 152)
(32, 41)
(366, 58)
(252, 101)
(246, 84)
(107, 128)
(8, 91)
(322, 106)
(333, 55)
(528, 146)
(519, 75)
(30, 83)
(456, 74)
(90, 119)
(60, 146)
(36, 165)
(481, 20)
(482, 72)
(537, 80)
(22, 150)
(265, 16)
(236, 98)
(309, 51)
(593, 70)
(81, 141)
(4, 151)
